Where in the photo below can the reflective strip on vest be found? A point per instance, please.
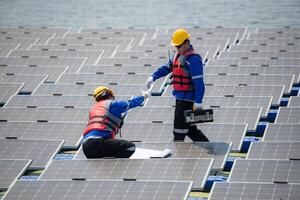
(180, 131)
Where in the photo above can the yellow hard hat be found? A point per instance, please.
(102, 91)
(179, 36)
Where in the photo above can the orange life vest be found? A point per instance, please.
(101, 119)
(181, 75)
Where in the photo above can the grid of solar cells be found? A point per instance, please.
(6, 48)
(294, 35)
(59, 32)
(105, 35)
(44, 114)
(176, 169)
(98, 69)
(254, 191)
(212, 90)
(282, 132)
(263, 102)
(52, 72)
(92, 56)
(257, 61)
(98, 190)
(267, 41)
(55, 101)
(39, 151)
(286, 29)
(133, 61)
(10, 170)
(217, 151)
(286, 80)
(249, 116)
(264, 48)
(163, 132)
(69, 132)
(23, 43)
(84, 89)
(278, 70)
(288, 115)
(9, 89)
(294, 101)
(73, 63)
(123, 43)
(106, 49)
(42, 38)
(117, 31)
(30, 81)
(265, 171)
(274, 150)
(251, 55)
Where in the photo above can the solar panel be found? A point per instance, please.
(73, 63)
(10, 170)
(107, 35)
(251, 55)
(107, 49)
(7, 90)
(54, 101)
(278, 70)
(288, 115)
(84, 89)
(254, 191)
(101, 190)
(294, 101)
(59, 32)
(69, 132)
(274, 150)
(234, 102)
(117, 31)
(264, 48)
(265, 171)
(30, 81)
(278, 30)
(279, 41)
(44, 114)
(39, 151)
(92, 56)
(274, 35)
(134, 79)
(175, 169)
(282, 132)
(286, 80)
(218, 151)
(145, 61)
(103, 69)
(258, 62)
(231, 91)
(6, 48)
(248, 116)
(23, 43)
(52, 72)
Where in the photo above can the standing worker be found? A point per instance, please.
(187, 74)
(105, 119)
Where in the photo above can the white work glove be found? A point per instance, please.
(145, 94)
(197, 106)
(149, 82)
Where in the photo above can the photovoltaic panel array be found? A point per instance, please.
(221, 115)
(7, 90)
(69, 132)
(274, 150)
(98, 190)
(55, 101)
(294, 101)
(266, 171)
(106, 69)
(231, 91)
(264, 48)
(163, 132)
(288, 115)
(254, 191)
(84, 89)
(10, 170)
(195, 170)
(282, 133)
(263, 102)
(39, 151)
(251, 55)
(263, 62)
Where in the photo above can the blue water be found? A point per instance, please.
(150, 13)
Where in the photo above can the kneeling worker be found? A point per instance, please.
(105, 119)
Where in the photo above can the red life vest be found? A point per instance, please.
(181, 75)
(101, 119)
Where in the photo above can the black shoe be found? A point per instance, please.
(197, 135)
